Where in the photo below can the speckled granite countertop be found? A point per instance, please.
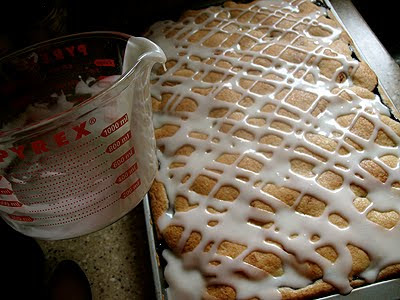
(116, 259)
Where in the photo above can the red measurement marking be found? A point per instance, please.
(131, 189)
(5, 191)
(127, 173)
(118, 143)
(104, 62)
(21, 218)
(119, 161)
(115, 126)
(10, 203)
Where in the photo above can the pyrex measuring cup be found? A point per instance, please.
(76, 137)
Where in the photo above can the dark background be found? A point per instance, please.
(27, 22)
(384, 19)
(23, 23)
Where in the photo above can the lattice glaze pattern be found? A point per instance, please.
(277, 160)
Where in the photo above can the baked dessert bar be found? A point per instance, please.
(279, 163)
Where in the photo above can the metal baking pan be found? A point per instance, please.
(387, 290)
(155, 248)
(388, 72)
(369, 48)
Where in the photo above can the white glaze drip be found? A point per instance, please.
(233, 223)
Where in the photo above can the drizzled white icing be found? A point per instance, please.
(379, 243)
(39, 111)
(188, 284)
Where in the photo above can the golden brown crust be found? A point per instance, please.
(159, 203)
(365, 81)
(365, 77)
(318, 289)
(315, 290)
(388, 102)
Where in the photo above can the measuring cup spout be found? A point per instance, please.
(85, 147)
(141, 49)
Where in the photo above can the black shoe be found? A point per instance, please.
(69, 282)
(22, 266)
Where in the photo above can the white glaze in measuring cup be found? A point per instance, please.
(71, 179)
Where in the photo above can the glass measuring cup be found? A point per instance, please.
(76, 137)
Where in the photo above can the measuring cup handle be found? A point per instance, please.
(138, 49)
